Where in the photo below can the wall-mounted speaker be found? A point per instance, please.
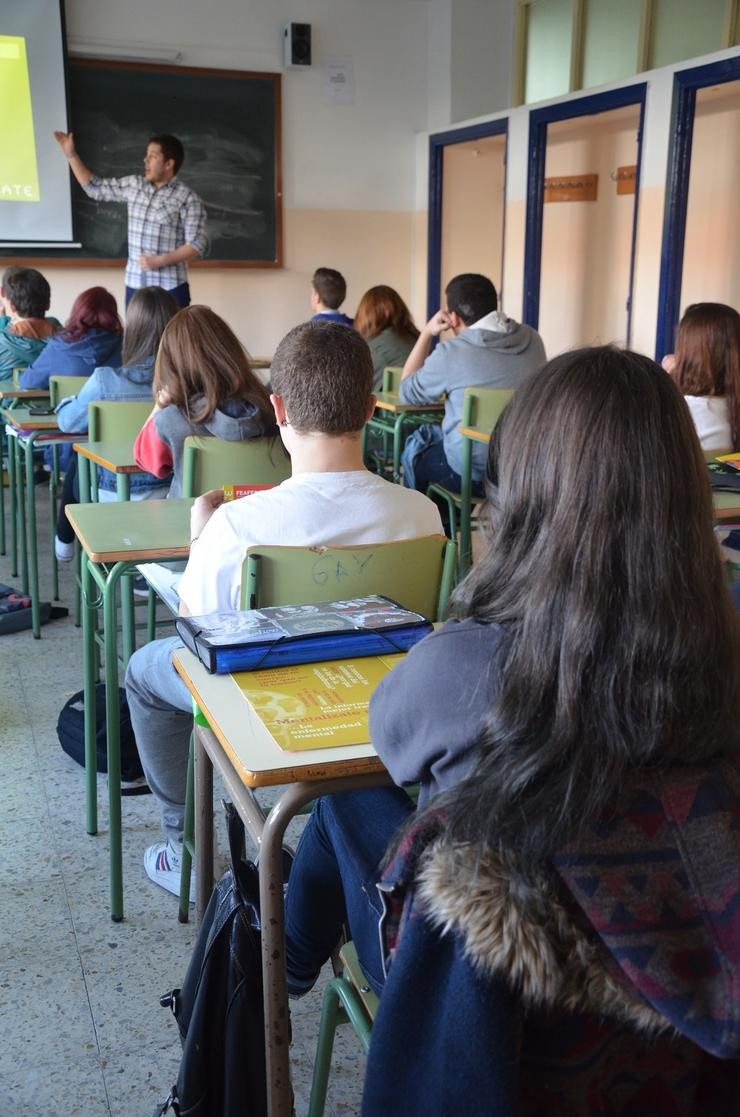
(297, 44)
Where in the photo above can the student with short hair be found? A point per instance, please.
(91, 336)
(488, 350)
(328, 292)
(25, 329)
(322, 378)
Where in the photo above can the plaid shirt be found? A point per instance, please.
(160, 219)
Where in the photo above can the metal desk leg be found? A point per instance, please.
(2, 487)
(89, 660)
(203, 825)
(20, 509)
(11, 441)
(113, 733)
(128, 622)
(397, 447)
(32, 547)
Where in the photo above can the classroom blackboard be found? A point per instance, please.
(229, 124)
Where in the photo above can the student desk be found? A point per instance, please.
(27, 431)
(726, 505)
(14, 395)
(114, 538)
(117, 457)
(391, 404)
(246, 763)
(475, 435)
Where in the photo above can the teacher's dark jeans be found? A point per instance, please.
(332, 881)
(180, 294)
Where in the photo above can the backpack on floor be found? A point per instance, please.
(219, 1009)
(71, 733)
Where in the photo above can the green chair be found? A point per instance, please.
(112, 421)
(418, 573)
(62, 386)
(347, 999)
(391, 430)
(481, 410)
(211, 463)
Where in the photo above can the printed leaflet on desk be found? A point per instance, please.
(316, 705)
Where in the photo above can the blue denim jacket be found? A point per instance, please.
(130, 382)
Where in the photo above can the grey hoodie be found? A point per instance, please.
(495, 352)
(234, 421)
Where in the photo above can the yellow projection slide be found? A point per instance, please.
(19, 179)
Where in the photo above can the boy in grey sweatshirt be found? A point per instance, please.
(488, 350)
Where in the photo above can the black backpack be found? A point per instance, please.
(219, 1009)
(71, 733)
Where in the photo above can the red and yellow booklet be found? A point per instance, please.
(316, 705)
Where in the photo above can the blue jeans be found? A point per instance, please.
(423, 461)
(180, 294)
(332, 881)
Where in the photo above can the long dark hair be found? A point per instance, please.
(602, 568)
(708, 357)
(148, 313)
(202, 363)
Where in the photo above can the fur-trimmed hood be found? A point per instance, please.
(639, 923)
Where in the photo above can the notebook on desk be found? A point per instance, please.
(165, 581)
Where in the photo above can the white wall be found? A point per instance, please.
(348, 171)
(652, 195)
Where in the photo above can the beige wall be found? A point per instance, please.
(473, 208)
(261, 305)
(711, 266)
(586, 245)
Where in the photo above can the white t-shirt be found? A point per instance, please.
(712, 421)
(310, 509)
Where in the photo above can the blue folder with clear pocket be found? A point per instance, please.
(281, 635)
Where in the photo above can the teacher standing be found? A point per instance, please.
(166, 220)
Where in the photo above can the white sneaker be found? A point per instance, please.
(162, 864)
(65, 552)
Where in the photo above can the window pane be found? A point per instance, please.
(612, 33)
(685, 29)
(549, 30)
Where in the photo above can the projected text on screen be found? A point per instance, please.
(19, 180)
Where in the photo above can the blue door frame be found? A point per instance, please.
(437, 144)
(685, 85)
(539, 119)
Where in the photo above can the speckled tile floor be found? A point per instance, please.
(83, 1034)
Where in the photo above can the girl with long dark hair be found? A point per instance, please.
(569, 883)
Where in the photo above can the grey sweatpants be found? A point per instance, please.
(162, 719)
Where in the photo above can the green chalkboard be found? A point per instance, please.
(229, 124)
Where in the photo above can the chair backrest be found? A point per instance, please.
(417, 573)
(62, 386)
(482, 407)
(116, 420)
(210, 463)
(392, 378)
